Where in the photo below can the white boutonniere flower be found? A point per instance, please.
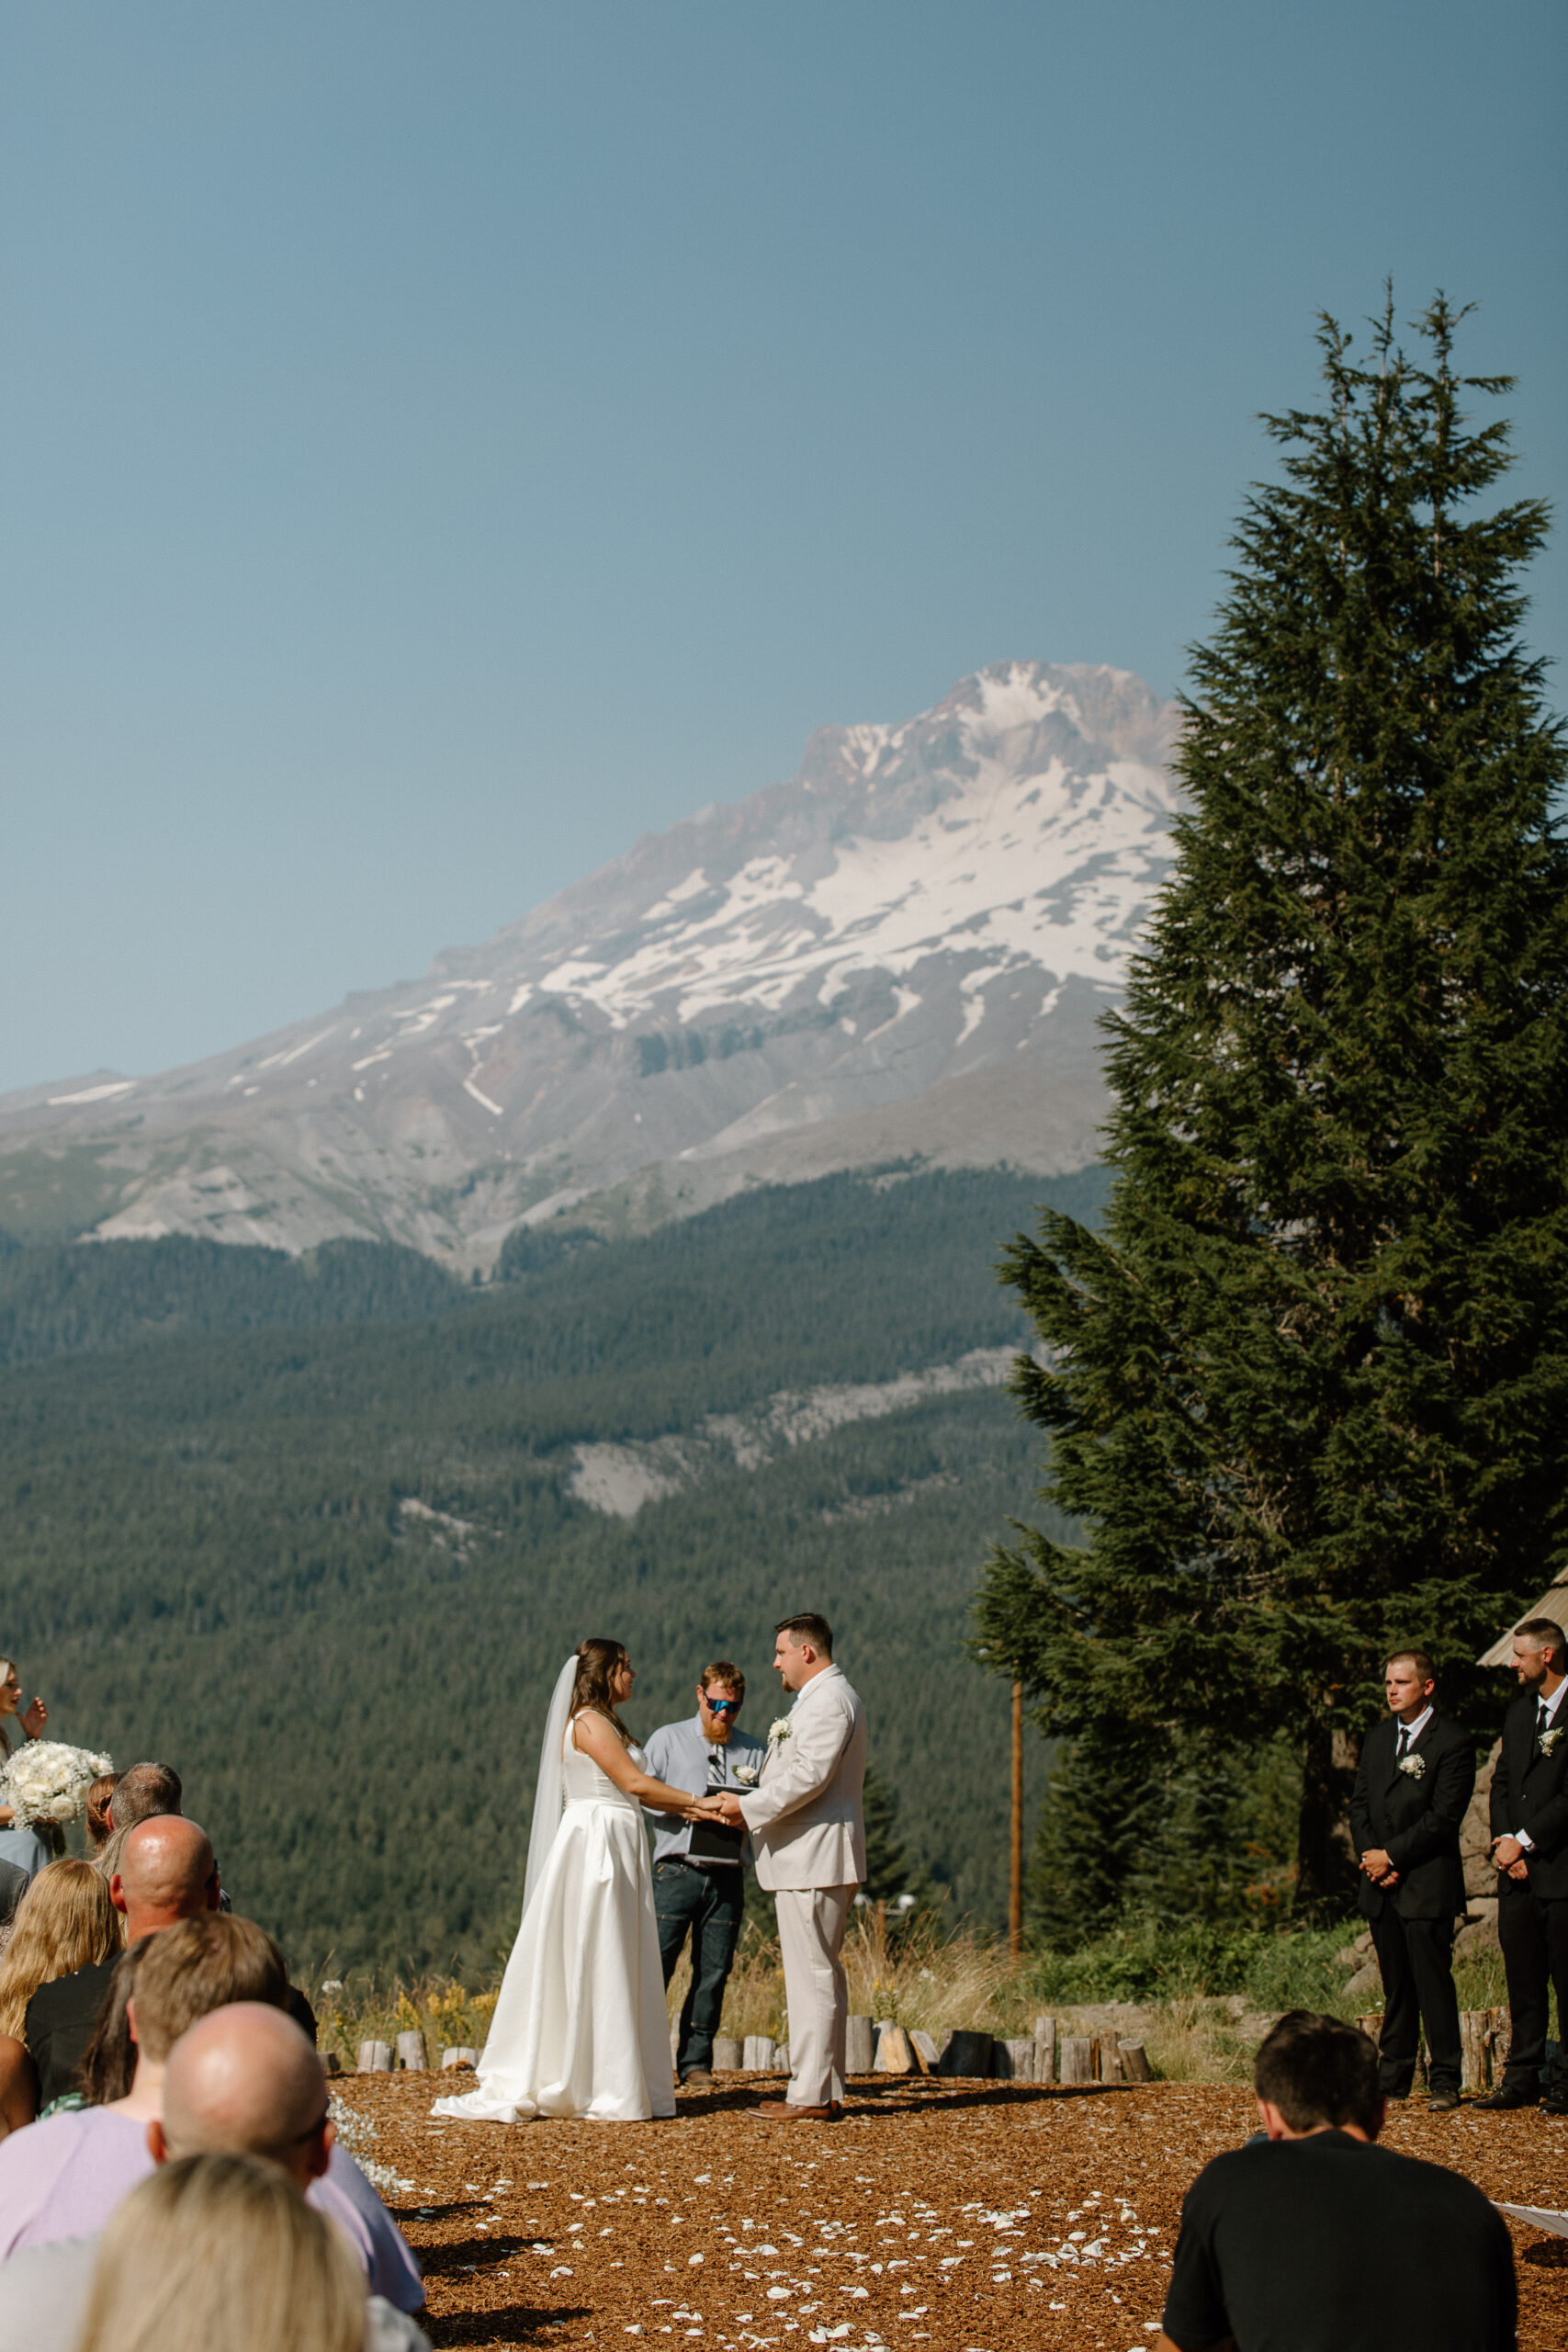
(778, 1729)
(1414, 1765)
(747, 1775)
(1549, 1739)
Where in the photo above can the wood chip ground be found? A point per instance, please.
(965, 2217)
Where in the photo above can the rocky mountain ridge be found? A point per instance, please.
(901, 953)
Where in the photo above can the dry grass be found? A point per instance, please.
(918, 1975)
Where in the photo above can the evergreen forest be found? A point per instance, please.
(306, 1528)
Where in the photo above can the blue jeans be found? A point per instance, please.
(709, 1904)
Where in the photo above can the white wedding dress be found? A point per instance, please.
(581, 2026)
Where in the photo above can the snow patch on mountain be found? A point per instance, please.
(903, 950)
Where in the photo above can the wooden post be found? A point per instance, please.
(1044, 2050)
(1078, 2058)
(1015, 1874)
(1476, 2056)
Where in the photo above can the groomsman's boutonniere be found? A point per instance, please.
(1414, 1765)
(747, 1775)
(778, 1729)
(1549, 1739)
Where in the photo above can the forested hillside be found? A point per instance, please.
(330, 1567)
(64, 1300)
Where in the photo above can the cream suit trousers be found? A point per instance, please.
(812, 1920)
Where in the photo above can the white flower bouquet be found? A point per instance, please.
(45, 1783)
(778, 1729)
(747, 1775)
(1415, 1767)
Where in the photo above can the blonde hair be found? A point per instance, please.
(222, 2249)
(64, 1921)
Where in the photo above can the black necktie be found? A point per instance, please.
(1543, 1717)
(1404, 1742)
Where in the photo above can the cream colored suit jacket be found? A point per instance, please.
(805, 1815)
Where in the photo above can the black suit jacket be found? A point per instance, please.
(1415, 1817)
(1529, 1791)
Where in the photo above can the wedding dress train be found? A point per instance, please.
(581, 2026)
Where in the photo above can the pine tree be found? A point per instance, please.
(1307, 1391)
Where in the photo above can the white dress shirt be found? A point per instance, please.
(1410, 1733)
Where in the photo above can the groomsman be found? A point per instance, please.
(1529, 1845)
(1416, 1777)
(809, 1825)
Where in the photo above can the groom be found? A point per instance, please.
(809, 1834)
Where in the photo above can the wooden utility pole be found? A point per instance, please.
(1015, 1872)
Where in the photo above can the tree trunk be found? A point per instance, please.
(1325, 1859)
(1015, 1829)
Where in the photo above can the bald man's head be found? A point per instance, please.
(167, 1871)
(244, 2081)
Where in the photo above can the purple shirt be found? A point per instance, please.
(62, 2178)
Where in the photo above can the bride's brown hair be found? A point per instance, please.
(596, 1662)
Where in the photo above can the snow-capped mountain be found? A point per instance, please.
(902, 951)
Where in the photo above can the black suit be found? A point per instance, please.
(1529, 1791)
(1415, 1816)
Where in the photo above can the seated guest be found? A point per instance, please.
(100, 1828)
(223, 2250)
(145, 1793)
(242, 2082)
(65, 1921)
(80, 2165)
(1289, 2240)
(166, 1872)
(63, 2176)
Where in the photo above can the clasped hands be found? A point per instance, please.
(1509, 1856)
(1378, 1868)
(705, 1809)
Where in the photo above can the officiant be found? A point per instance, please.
(699, 1866)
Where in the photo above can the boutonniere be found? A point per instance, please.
(1549, 1739)
(1414, 1765)
(778, 1729)
(747, 1775)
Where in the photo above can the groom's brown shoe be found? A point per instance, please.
(779, 2111)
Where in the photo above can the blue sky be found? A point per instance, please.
(444, 442)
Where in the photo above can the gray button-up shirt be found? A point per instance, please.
(681, 1753)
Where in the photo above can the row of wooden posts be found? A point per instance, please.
(873, 2046)
(1483, 2048)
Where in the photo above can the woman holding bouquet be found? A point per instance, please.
(581, 2026)
(18, 1845)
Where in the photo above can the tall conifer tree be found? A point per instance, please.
(1307, 1394)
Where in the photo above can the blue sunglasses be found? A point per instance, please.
(722, 1706)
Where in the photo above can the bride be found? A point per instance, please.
(581, 2026)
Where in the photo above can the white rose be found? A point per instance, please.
(747, 1775)
(778, 1728)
